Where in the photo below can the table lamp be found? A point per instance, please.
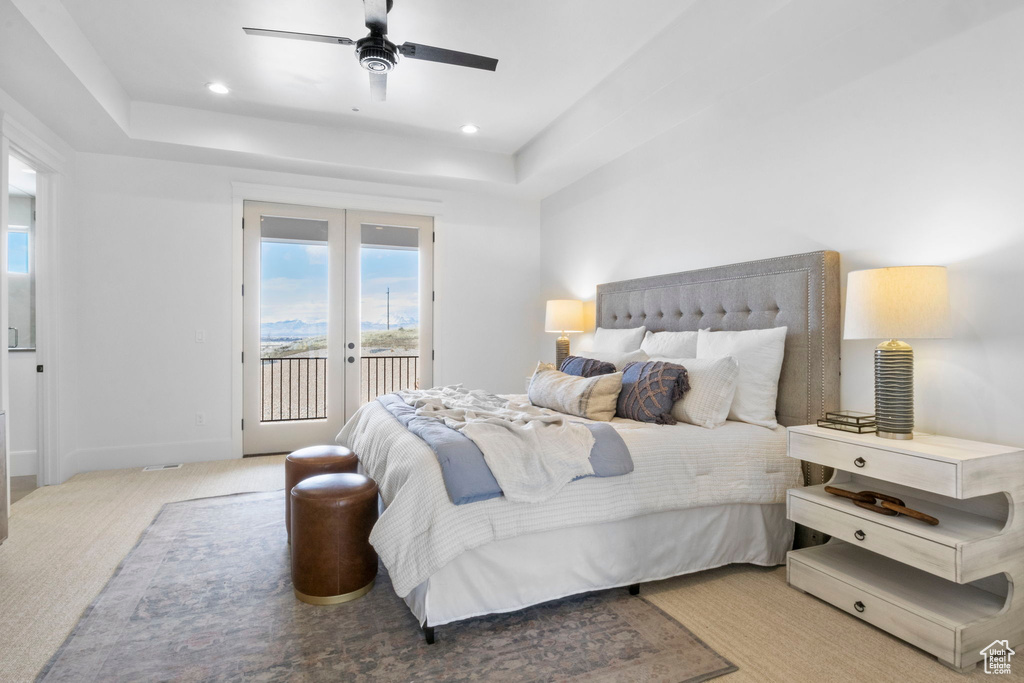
(909, 302)
(564, 316)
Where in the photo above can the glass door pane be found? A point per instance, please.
(293, 318)
(389, 310)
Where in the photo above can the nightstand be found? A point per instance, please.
(947, 589)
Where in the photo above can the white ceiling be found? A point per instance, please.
(579, 82)
(550, 52)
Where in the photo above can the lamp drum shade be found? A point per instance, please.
(906, 302)
(564, 315)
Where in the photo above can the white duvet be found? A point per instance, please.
(675, 467)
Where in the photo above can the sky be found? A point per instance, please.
(17, 252)
(294, 283)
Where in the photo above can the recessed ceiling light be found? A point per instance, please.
(469, 129)
(218, 88)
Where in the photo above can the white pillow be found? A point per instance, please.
(594, 398)
(616, 358)
(712, 387)
(759, 354)
(670, 344)
(619, 341)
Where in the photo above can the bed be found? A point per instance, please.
(697, 498)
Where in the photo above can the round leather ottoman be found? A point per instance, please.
(332, 559)
(309, 462)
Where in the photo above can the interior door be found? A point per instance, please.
(295, 366)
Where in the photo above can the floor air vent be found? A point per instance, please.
(157, 468)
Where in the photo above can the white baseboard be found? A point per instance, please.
(24, 463)
(142, 455)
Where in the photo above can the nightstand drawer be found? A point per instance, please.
(916, 630)
(921, 473)
(922, 553)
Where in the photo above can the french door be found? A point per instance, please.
(337, 311)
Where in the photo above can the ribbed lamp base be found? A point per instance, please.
(894, 390)
(561, 351)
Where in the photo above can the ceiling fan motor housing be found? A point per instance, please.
(376, 54)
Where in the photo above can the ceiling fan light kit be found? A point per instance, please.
(378, 55)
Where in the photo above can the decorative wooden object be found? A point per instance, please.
(946, 588)
(889, 505)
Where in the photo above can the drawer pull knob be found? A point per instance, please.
(859, 606)
(859, 535)
(860, 462)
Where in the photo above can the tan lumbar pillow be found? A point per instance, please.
(591, 397)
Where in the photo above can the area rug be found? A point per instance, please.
(206, 596)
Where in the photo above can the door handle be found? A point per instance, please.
(860, 462)
(351, 345)
(859, 535)
(351, 359)
(859, 606)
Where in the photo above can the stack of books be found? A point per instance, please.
(849, 421)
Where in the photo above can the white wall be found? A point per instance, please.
(918, 163)
(154, 264)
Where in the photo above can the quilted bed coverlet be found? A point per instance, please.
(675, 467)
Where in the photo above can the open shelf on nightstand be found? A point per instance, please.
(956, 526)
(946, 603)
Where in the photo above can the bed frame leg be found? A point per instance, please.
(428, 634)
(634, 589)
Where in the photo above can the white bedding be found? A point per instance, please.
(675, 467)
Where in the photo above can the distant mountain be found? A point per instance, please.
(299, 329)
(292, 329)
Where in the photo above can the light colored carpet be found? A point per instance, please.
(66, 541)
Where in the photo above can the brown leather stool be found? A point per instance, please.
(332, 559)
(309, 462)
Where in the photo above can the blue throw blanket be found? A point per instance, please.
(466, 475)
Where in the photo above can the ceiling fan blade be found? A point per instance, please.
(378, 87)
(437, 54)
(377, 14)
(270, 33)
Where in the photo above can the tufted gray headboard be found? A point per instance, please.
(800, 292)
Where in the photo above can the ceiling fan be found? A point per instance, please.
(377, 54)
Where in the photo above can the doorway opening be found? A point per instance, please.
(23, 414)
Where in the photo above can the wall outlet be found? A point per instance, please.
(200, 336)
(200, 419)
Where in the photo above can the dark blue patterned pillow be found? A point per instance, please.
(650, 389)
(586, 367)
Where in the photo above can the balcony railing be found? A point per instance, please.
(296, 388)
(386, 374)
